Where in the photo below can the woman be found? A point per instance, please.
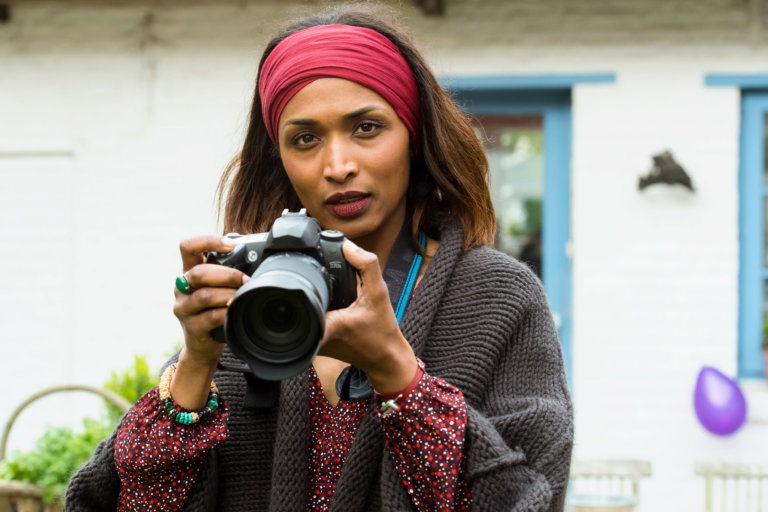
(471, 408)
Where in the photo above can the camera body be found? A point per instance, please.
(298, 272)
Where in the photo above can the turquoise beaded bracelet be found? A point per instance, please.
(174, 411)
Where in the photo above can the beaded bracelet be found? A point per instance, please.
(175, 411)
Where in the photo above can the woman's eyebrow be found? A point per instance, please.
(361, 112)
(301, 122)
(352, 115)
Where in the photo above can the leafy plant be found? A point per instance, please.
(532, 208)
(131, 385)
(60, 451)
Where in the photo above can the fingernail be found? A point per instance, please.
(246, 278)
(230, 301)
(228, 241)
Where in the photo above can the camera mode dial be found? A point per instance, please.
(332, 235)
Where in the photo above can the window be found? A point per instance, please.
(753, 223)
(514, 147)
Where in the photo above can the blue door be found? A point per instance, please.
(527, 135)
(753, 224)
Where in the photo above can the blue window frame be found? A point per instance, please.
(753, 216)
(753, 223)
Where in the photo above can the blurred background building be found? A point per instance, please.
(117, 118)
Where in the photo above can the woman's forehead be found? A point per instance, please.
(335, 97)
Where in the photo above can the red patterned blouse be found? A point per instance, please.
(158, 460)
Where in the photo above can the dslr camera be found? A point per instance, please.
(298, 272)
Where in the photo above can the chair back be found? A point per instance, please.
(734, 486)
(608, 485)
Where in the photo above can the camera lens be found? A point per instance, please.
(279, 315)
(276, 320)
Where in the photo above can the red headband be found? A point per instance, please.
(353, 53)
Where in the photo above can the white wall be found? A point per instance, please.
(115, 124)
(655, 272)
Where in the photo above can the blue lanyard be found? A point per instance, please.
(353, 384)
(410, 280)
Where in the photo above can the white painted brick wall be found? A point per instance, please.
(140, 108)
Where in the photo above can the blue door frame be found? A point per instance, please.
(554, 106)
(753, 272)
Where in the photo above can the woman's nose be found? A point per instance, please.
(339, 165)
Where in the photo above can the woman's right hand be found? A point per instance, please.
(203, 309)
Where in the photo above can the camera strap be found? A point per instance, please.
(259, 393)
(402, 269)
(400, 277)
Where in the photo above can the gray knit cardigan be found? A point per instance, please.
(480, 320)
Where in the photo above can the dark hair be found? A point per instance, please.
(449, 174)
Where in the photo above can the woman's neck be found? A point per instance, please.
(382, 242)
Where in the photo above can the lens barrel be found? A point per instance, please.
(276, 320)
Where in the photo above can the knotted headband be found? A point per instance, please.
(353, 53)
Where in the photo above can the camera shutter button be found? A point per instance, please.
(331, 235)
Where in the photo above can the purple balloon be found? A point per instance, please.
(719, 402)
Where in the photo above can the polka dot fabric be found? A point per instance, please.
(157, 460)
(333, 431)
(425, 438)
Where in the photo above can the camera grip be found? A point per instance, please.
(218, 334)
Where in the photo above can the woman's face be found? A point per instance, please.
(346, 153)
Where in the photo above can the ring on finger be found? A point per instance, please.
(182, 284)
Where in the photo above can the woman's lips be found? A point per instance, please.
(348, 204)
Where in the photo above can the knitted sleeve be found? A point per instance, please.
(519, 438)
(95, 486)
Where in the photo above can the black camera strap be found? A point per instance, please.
(259, 393)
(400, 276)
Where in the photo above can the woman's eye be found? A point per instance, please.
(303, 139)
(367, 127)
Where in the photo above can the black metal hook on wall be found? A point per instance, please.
(666, 170)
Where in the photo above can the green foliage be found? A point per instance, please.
(765, 332)
(131, 385)
(532, 215)
(531, 222)
(60, 451)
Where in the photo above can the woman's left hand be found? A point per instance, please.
(366, 333)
